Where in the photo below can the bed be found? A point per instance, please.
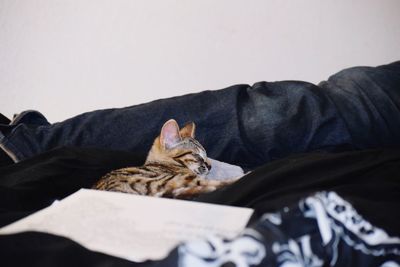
(324, 181)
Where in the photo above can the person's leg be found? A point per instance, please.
(243, 125)
(368, 99)
(132, 128)
(18, 130)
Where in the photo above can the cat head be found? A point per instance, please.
(179, 148)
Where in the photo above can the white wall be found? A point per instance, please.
(67, 57)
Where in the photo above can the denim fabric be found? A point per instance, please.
(243, 125)
(368, 99)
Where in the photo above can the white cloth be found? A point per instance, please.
(221, 170)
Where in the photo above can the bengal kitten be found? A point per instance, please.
(175, 167)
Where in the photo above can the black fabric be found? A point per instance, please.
(4, 119)
(370, 180)
(5, 159)
(39, 249)
(33, 184)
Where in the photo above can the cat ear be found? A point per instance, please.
(170, 134)
(188, 130)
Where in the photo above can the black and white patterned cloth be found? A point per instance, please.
(321, 230)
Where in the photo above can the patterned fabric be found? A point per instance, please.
(321, 230)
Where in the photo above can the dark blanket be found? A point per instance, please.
(369, 180)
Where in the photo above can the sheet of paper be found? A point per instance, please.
(133, 227)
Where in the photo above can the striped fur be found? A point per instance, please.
(175, 167)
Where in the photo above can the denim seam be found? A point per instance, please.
(339, 113)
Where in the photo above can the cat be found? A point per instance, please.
(175, 167)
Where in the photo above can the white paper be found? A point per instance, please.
(133, 227)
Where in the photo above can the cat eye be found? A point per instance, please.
(183, 154)
(198, 158)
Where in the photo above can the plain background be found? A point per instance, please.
(67, 57)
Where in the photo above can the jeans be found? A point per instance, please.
(357, 108)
